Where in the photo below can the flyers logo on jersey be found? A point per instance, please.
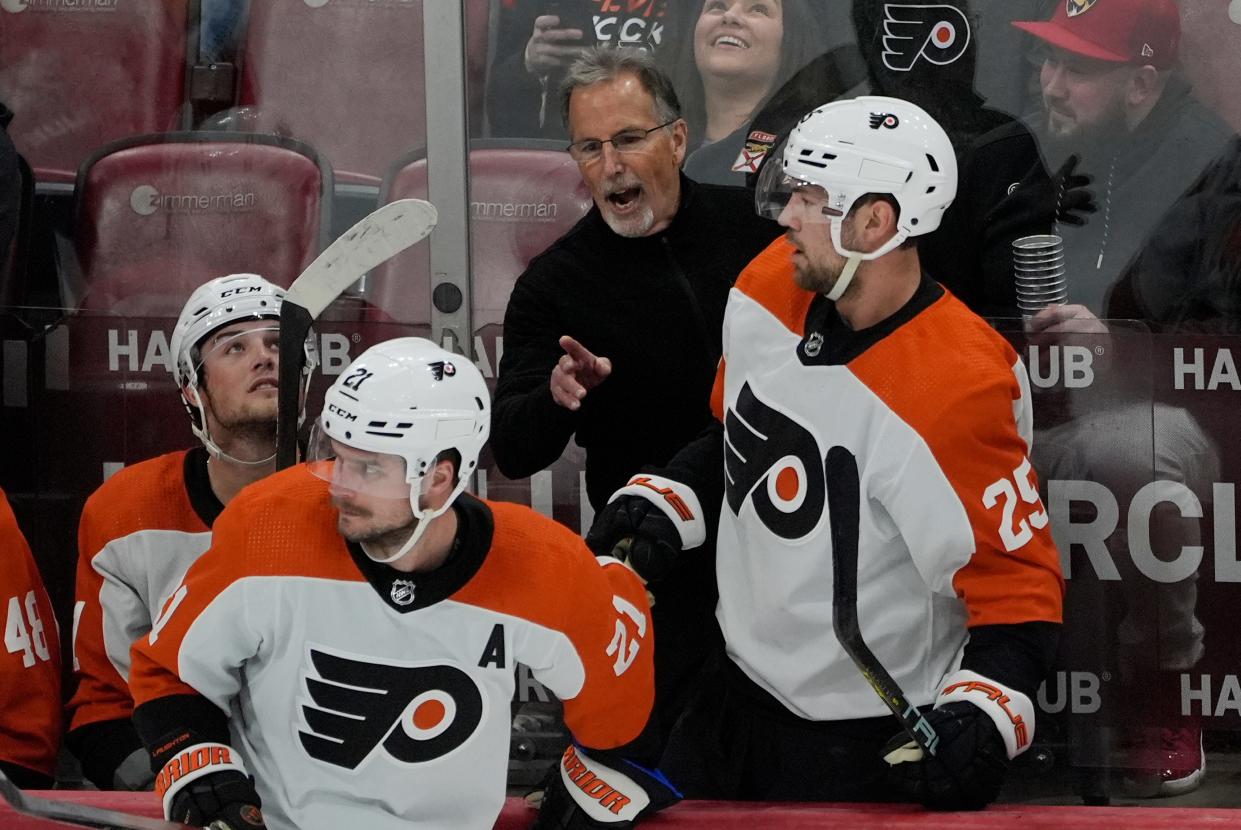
(773, 462)
(937, 33)
(415, 713)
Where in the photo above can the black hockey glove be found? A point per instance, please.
(662, 518)
(655, 543)
(219, 801)
(968, 767)
(584, 794)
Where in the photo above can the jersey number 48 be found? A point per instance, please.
(24, 634)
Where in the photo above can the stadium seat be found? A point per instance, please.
(523, 197)
(158, 215)
(347, 77)
(78, 75)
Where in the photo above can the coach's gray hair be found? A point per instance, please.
(605, 64)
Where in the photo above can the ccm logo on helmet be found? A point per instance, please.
(344, 413)
(245, 289)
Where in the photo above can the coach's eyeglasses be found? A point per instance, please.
(628, 141)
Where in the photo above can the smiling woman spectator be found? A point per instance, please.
(743, 50)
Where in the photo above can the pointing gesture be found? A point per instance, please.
(576, 373)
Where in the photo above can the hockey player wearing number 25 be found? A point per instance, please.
(835, 340)
(143, 527)
(349, 638)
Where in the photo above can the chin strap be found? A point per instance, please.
(855, 258)
(422, 516)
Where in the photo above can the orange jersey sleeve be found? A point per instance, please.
(30, 710)
(541, 571)
(137, 534)
(963, 405)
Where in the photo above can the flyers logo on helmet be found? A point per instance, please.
(415, 713)
(773, 462)
(883, 119)
(937, 33)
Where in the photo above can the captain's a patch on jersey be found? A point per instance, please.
(757, 145)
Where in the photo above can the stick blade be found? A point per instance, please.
(373, 240)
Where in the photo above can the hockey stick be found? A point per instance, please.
(376, 238)
(843, 507)
(81, 814)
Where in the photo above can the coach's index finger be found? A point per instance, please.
(581, 355)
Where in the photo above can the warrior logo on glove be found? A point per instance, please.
(416, 713)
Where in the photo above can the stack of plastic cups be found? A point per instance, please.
(1038, 272)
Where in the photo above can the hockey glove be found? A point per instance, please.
(662, 517)
(205, 785)
(219, 801)
(982, 726)
(588, 795)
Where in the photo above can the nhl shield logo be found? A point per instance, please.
(1075, 7)
(402, 592)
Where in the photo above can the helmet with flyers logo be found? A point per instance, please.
(854, 147)
(214, 304)
(411, 399)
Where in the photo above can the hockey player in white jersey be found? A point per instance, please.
(350, 637)
(143, 527)
(834, 337)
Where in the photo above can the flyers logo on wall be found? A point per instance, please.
(938, 34)
(775, 464)
(413, 714)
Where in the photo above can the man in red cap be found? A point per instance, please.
(1146, 179)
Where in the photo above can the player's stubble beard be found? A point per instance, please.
(390, 534)
(820, 277)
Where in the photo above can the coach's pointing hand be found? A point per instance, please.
(576, 373)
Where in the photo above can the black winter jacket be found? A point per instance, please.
(654, 305)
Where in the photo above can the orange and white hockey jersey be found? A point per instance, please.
(362, 696)
(30, 663)
(139, 533)
(934, 405)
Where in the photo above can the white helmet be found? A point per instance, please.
(871, 144)
(409, 398)
(213, 304)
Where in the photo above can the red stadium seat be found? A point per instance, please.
(78, 75)
(523, 197)
(347, 77)
(158, 215)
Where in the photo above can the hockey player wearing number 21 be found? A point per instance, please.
(343, 654)
(836, 344)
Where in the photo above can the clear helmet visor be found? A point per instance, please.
(776, 192)
(377, 474)
(243, 342)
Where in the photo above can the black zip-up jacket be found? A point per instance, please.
(10, 187)
(654, 305)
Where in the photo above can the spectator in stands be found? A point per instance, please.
(1139, 166)
(30, 713)
(140, 531)
(738, 54)
(537, 41)
(10, 186)
(612, 334)
(1116, 116)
